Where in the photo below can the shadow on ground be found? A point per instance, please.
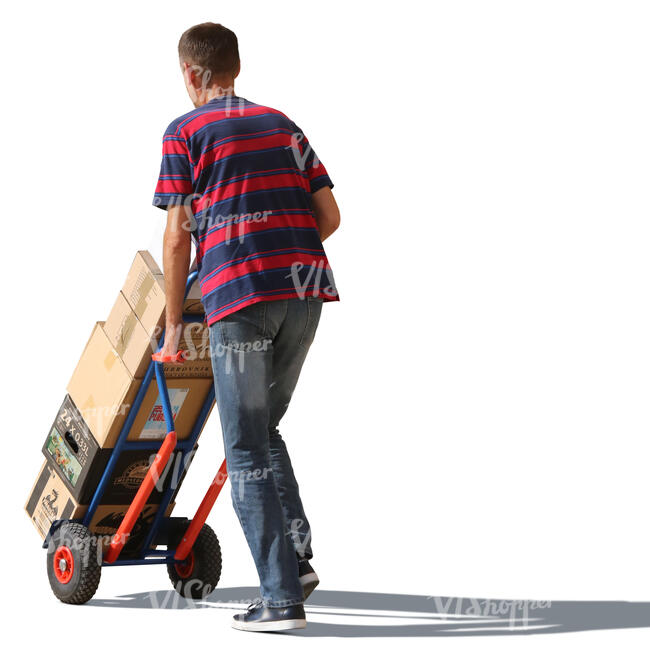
(422, 616)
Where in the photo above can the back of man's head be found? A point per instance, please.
(213, 48)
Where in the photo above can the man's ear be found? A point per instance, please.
(238, 70)
(189, 74)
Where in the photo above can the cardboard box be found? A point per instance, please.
(193, 304)
(129, 337)
(179, 470)
(195, 341)
(102, 388)
(125, 479)
(50, 500)
(186, 397)
(144, 290)
(76, 457)
(73, 452)
(108, 518)
(129, 472)
(135, 345)
(144, 293)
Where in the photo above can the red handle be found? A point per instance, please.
(179, 357)
(193, 530)
(141, 497)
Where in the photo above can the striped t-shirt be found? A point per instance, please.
(248, 173)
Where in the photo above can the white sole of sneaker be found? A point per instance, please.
(271, 626)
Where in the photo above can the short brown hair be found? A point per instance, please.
(211, 46)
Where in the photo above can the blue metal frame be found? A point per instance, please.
(148, 555)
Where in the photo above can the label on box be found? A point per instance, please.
(71, 449)
(49, 500)
(63, 457)
(69, 421)
(131, 468)
(108, 518)
(155, 427)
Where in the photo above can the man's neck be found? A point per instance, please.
(216, 91)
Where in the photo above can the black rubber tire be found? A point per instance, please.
(86, 570)
(206, 569)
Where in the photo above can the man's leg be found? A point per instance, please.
(290, 348)
(242, 357)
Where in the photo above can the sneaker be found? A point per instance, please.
(259, 618)
(308, 578)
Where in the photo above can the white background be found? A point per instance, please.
(473, 419)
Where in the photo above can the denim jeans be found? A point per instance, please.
(257, 354)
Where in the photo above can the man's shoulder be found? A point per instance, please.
(254, 109)
(181, 127)
(268, 109)
(175, 126)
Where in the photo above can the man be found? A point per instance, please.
(243, 181)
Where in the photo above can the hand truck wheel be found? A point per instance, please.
(198, 575)
(73, 564)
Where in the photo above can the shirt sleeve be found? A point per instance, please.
(311, 164)
(175, 179)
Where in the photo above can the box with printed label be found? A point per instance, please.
(50, 500)
(186, 397)
(107, 519)
(103, 391)
(195, 342)
(75, 456)
(130, 469)
(73, 451)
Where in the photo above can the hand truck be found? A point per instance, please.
(75, 556)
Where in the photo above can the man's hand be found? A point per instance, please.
(177, 248)
(172, 339)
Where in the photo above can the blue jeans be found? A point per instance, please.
(257, 354)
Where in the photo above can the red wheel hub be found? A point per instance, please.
(185, 568)
(63, 564)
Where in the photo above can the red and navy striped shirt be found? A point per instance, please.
(248, 173)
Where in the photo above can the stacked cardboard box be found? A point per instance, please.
(50, 500)
(99, 397)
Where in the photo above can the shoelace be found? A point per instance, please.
(254, 604)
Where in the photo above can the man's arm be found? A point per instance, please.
(177, 248)
(326, 212)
